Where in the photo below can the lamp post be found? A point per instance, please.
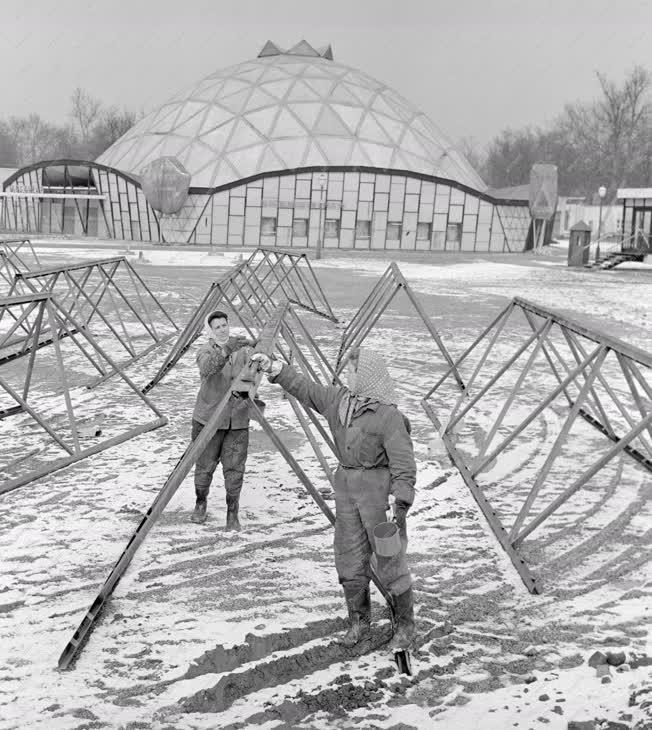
(322, 179)
(602, 191)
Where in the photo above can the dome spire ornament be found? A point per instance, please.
(302, 48)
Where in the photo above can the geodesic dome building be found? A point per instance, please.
(290, 149)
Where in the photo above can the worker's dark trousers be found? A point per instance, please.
(361, 497)
(228, 446)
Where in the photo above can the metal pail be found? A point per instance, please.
(387, 540)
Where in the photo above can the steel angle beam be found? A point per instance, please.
(380, 297)
(246, 383)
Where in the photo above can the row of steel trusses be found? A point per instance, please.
(604, 380)
(105, 296)
(380, 297)
(41, 314)
(20, 253)
(248, 291)
(275, 335)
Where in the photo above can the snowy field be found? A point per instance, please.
(209, 629)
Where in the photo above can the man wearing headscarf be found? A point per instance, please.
(220, 359)
(374, 448)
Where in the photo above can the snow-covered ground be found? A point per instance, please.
(212, 629)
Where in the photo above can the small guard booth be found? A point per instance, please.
(579, 244)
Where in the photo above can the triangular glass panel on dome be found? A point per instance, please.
(411, 144)
(196, 157)
(398, 108)
(236, 103)
(321, 86)
(244, 136)
(329, 123)
(320, 70)
(260, 99)
(119, 153)
(222, 174)
(189, 109)
(252, 75)
(399, 162)
(351, 115)
(215, 117)
(262, 119)
(424, 126)
(336, 149)
(370, 130)
(269, 161)
(307, 113)
(172, 143)
(416, 163)
(287, 125)
(380, 104)
(359, 156)
(302, 48)
(233, 85)
(365, 95)
(302, 92)
(379, 154)
(274, 73)
(191, 127)
(291, 151)
(164, 120)
(393, 127)
(277, 89)
(207, 90)
(218, 138)
(314, 156)
(343, 94)
(146, 153)
(245, 161)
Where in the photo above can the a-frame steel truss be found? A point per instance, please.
(380, 297)
(249, 290)
(289, 275)
(105, 296)
(603, 380)
(20, 253)
(278, 326)
(42, 314)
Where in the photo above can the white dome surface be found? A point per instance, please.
(284, 112)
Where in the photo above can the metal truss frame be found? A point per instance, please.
(380, 297)
(92, 290)
(48, 322)
(250, 290)
(11, 247)
(585, 372)
(276, 327)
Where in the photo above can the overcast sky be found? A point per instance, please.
(474, 66)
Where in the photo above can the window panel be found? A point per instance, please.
(413, 186)
(468, 241)
(236, 206)
(453, 234)
(469, 224)
(393, 231)
(442, 200)
(346, 238)
(457, 197)
(268, 227)
(426, 211)
(252, 236)
(335, 190)
(411, 203)
(424, 231)
(381, 201)
(285, 217)
(252, 216)
(366, 191)
(362, 229)
(350, 200)
(440, 222)
(303, 189)
(351, 181)
(348, 219)
(331, 228)
(300, 227)
(396, 211)
(254, 196)
(364, 211)
(455, 214)
(471, 204)
(382, 183)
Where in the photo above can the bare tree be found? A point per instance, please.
(85, 112)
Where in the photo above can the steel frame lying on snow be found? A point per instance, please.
(267, 277)
(90, 290)
(586, 370)
(380, 297)
(47, 323)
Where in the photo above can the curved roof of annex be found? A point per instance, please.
(286, 110)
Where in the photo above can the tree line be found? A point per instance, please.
(91, 129)
(607, 141)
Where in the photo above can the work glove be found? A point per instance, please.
(236, 343)
(400, 514)
(267, 364)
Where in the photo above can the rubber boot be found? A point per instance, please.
(232, 504)
(403, 621)
(199, 515)
(359, 606)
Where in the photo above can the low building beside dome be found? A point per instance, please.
(289, 149)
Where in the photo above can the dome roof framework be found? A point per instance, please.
(287, 110)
